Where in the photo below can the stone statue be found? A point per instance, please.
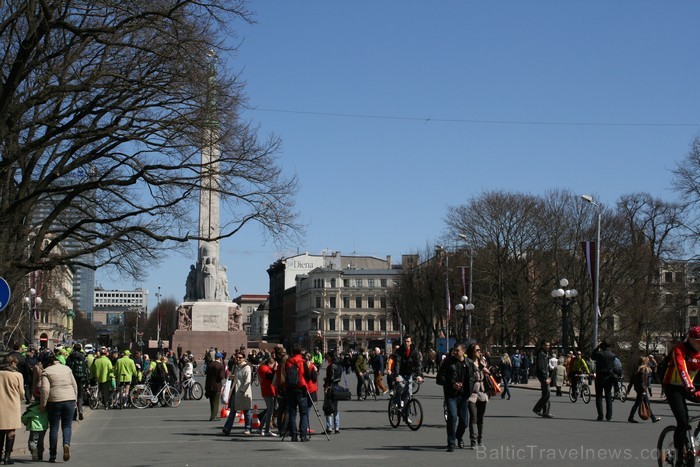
(235, 318)
(191, 284)
(209, 276)
(222, 287)
(184, 321)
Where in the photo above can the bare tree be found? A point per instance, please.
(104, 110)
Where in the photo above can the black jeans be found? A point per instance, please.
(543, 402)
(604, 384)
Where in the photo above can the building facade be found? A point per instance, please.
(342, 309)
(110, 306)
(249, 303)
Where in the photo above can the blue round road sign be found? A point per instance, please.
(4, 293)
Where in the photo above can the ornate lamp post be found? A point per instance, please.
(468, 308)
(32, 301)
(596, 286)
(565, 297)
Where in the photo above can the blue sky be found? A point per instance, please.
(391, 111)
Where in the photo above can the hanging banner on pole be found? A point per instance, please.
(589, 251)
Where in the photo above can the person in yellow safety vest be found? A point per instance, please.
(101, 370)
(124, 372)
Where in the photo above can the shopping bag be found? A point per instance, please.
(644, 410)
(226, 392)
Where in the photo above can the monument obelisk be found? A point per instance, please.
(207, 317)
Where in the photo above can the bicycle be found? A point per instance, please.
(580, 388)
(91, 396)
(367, 388)
(415, 386)
(620, 391)
(410, 408)
(256, 381)
(142, 396)
(666, 451)
(191, 389)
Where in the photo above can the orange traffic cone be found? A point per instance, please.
(256, 420)
(241, 418)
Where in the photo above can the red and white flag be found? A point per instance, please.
(589, 251)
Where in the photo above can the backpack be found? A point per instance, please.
(617, 367)
(442, 372)
(292, 376)
(79, 368)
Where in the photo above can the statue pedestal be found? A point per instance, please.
(209, 324)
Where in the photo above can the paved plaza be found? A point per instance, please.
(183, 436)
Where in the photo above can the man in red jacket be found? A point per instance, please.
(296, 376)
(266, 373)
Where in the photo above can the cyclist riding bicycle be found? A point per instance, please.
(578, 367)
(683, 365)
(407, 366)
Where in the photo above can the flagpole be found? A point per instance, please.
(596, 287)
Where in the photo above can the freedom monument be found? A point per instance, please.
(207, 317)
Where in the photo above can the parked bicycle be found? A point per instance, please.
(191, 389)
(367, 388)
(620, 391)
(666, 451)
(409, 409)
(580, 389)
(142, 396)
(91, 396)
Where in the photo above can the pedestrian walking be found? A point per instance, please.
(11, 395)
(266, 373)
(37, 423)
(478, 370)
(605, 378)
(242, 395)
(377, 364)
(214, 376)
(559, 375)
(59, 392)
(506, 368)
(457, 391)
(640, 382)
(542, 372)
(334, 373)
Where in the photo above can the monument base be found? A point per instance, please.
(200, 341)
(205, 324)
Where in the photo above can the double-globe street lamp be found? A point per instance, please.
(565, 297)
(468, 308)
(32, 301)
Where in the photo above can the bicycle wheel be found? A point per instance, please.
(373, 389)
(171, 396)
(256, 381)
(414, 414)
(196, 391)
(362, 395)
(572, 395)
(665, 451)
(141, 397)
(394, 414)
(94, 401)
(585, 394)
(415, 387)
(623, 394)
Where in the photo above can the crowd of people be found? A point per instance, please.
(52, 385)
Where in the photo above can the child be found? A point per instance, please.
(37, 422)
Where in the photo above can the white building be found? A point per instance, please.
(110, 305)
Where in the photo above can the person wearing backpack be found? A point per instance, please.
(78, 364)
(296, 376)
(334, 372)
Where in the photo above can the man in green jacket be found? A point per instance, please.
(360, 370)
(102, 371)
(125, 371)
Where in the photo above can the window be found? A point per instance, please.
(331, 324)
(346, 302)
(382, 324)
(370, 302)
(358, 302)
(333, 282)
(333, 301)
(318, 302)
(358, 282)
(346, 324)
(314, 324)
(382, 282)
(370, 282)
(370, 324)
(358, 324)
(668, 277)
(382, 302)
(346, 282)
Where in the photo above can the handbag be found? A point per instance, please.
(491, 387)
(644, 409)
(341, 393)
(226, 392)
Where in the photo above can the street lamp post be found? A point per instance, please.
(468, 308)
(32, 301)
(439, 250)
(596, 286)
(160, 344)
(565, 297)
